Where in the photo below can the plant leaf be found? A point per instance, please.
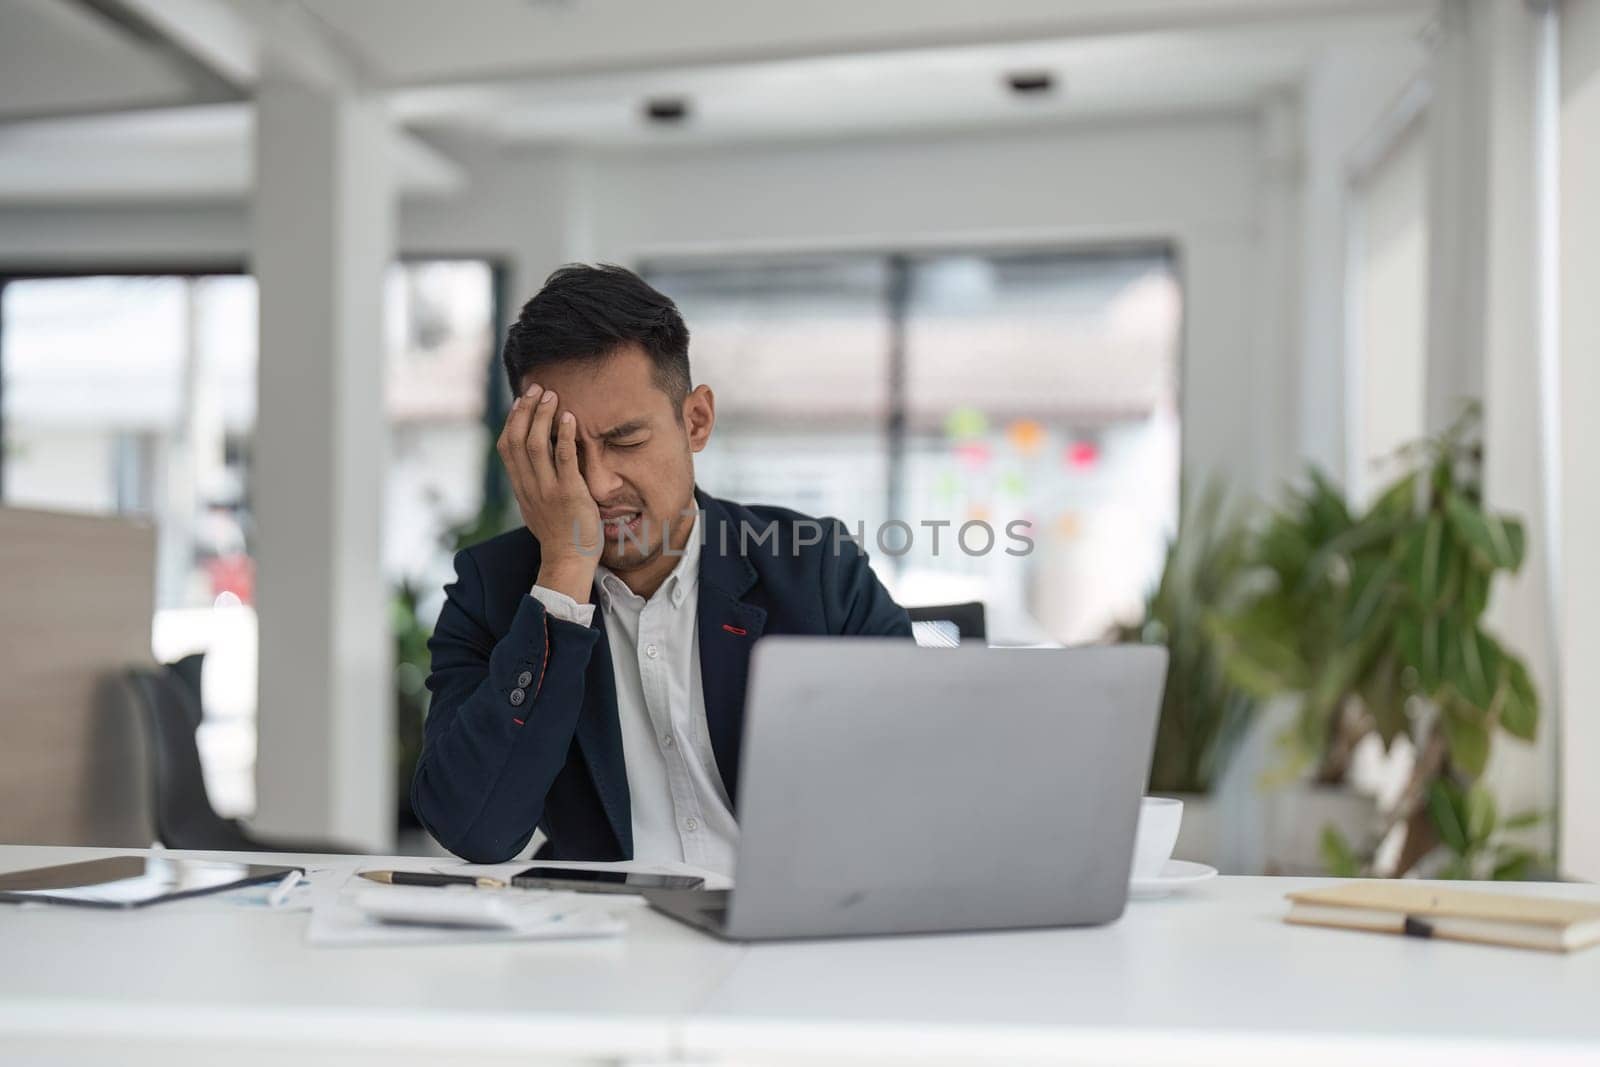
(1468, 741)
(1337, 855)
(1384, 697)
(1481, 816)
(1446, 819)
(1474, 583)
(1513, 866)
(1519, 701)
(1524, 820)
(1421, 646)
(1369, 597)
(1426, 562)
(1398, 500)
(1497, 541)
(1475, 666)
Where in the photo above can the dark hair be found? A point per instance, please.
(587, 313)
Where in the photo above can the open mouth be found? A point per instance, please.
(623, 524)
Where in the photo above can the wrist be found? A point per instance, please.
(572, 577)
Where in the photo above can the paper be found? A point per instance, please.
(337, 921)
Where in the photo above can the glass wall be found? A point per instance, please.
(1002, 427)
(797, 353)
(137, 395)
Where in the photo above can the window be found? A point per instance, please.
(797, 353)
(136, 394)
(957, 394)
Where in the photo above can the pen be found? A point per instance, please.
(426, 878)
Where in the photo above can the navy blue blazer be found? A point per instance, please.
(523, 731)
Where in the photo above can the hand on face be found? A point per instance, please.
(619, 478)
(551, 492)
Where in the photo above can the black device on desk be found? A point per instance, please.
(132, 881)
(601, 881)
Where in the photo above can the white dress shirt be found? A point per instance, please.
(679, 805)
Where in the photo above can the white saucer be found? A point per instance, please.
(1177, 874)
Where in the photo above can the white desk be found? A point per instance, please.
(1211, 977)
(85, 979)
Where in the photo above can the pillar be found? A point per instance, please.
(323, 237)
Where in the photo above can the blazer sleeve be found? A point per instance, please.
(854, 602)
(500, 723)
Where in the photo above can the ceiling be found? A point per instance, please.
(132, 99)
(411, 42)
(64, 58)
(904, 91)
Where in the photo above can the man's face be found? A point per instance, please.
(635, 449)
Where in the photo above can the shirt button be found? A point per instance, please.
(691, 825)
(668, 741)
(524, 679)
(652, 651)
(518, 696)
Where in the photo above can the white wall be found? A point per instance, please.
(523, 207)
(1388, 276)
(1579, 618)
(1348, 92)
(59, 237)
(1484, 327)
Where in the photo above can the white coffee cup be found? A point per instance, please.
(1157, 836)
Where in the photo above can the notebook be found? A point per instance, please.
(1427, 910)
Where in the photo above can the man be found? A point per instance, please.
(616, 730)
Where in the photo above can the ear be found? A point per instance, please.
(699, 416)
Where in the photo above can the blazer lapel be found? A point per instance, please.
(600, 738)
(728, 629)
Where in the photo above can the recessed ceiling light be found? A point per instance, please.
(1031, 82)
(666, 109)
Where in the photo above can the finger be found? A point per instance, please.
(510, 445)
(537, 443)
(567, 472)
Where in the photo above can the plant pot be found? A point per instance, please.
(1296, 816)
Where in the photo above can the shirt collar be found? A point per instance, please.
(679, 586)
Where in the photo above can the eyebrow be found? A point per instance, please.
(626, 429)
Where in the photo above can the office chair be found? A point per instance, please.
(184, 817)
(967, 618)
(188, 670)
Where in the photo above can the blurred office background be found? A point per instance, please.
(1073, 263)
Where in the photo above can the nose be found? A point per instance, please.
(602, 480)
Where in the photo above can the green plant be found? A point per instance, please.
(1376, 623)
(1475, 843)
(411, 693)
(1301, 631)
(1204, 714)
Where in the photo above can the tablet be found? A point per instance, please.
(132, 881)
(592, 881)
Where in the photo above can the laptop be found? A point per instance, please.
(891, 789)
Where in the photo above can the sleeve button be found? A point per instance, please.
(518, 696)
(524, 679)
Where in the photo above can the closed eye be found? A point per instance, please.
(629, 444)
